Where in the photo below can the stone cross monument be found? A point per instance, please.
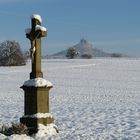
(36, 90)
(34, 35)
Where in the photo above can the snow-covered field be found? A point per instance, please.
(96, 99)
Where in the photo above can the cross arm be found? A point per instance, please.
(41, 31)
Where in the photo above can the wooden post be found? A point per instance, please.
(36, 106)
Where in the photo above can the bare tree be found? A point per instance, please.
(11, 54)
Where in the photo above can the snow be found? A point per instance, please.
(2, 137)
(20, 137)
(27, 30)
(41, 28)
(37, 82)
(94, 99)
(38, 17)
(39, 115)
(45, 132)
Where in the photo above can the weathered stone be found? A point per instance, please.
(36, 100)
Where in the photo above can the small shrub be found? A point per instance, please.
(116, 55)
(87, 56)
(14, 129)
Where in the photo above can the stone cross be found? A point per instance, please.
(36, 90)
(34, 35)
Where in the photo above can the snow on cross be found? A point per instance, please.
(41, 28)
(39, 115)
(27, 30)
(38, 82)
(38, 17)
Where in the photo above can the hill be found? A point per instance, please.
(84, 49)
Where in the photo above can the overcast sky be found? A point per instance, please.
(112, 25)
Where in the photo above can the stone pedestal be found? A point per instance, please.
(36, 107)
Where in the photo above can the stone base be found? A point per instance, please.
(32, 123)
(36, 100)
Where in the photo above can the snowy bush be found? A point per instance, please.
(14, 129)
(71, 53)
(11, 54)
